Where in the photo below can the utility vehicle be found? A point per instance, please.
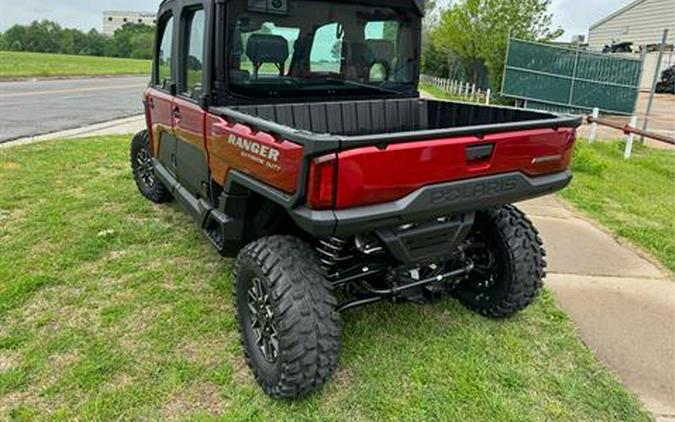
(293, 132)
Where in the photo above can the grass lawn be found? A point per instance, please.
(18, 65)
(634, 198)
(114, 308)
(436, 92)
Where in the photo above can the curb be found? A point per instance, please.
(72, 133)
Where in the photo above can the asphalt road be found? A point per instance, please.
(37, 107)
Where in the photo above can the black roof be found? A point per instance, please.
(419, 4)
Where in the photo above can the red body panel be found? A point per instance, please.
(160, 112)
(189, 120)
(363, 176)
(371, 175)
(256, 153)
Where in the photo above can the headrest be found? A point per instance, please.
(382, 50)
(360, 53)
(265, 48)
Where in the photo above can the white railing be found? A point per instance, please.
(459, 89)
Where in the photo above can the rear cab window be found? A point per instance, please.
(277, 49)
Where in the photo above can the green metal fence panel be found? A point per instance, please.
(571, 79)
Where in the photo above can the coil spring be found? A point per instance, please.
(332, 252)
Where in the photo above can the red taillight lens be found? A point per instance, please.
(322, 183)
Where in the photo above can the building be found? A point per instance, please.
(641, 22)
(116, 19)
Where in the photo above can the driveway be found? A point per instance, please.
(36, 107)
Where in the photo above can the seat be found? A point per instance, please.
(266, 48)
(382, 53)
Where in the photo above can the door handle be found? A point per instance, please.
(176, 113)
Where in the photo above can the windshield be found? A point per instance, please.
(300, 48)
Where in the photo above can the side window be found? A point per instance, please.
(382, 40)
(194, 48)
(164, 55)
(326, 54)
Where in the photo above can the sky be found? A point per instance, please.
(575, 16)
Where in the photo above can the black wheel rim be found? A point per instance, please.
(145, 168)
(482, 283)
(262, 316)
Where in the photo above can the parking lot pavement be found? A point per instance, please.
(662, 120)
(30, 108)
(622, 304)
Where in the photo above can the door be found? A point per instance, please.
(189, 116)
(159, 97)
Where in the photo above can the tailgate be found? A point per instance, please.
(371, 175)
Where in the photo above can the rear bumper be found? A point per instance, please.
(443, 199)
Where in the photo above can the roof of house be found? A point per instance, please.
(617, 13)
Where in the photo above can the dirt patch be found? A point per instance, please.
(202, 398)
(9, 165)
(7, 362)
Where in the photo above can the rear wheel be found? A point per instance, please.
(143, 169)
(286, 312)
(508, 264)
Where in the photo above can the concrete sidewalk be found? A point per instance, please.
(622, 304)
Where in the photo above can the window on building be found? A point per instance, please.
(194, 47)
(124, 19)
(110, 19)
(164, 55)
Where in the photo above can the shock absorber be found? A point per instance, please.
(332, 252)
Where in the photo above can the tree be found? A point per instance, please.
(477, 31)
(96, 44)
(132, 40)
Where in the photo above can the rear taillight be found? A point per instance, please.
(322, 183)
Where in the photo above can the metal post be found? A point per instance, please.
(574, 75)
(487, 97)
(594, 126)
(657, 71)
(629, 139)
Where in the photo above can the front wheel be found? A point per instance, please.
(143, 170)
(286, 312)
(508, 264)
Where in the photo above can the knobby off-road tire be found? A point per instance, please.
(514, 277)
(302, 315)
(143, 169)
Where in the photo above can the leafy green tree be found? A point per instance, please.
(132, 40)
(477, 31)
(96, 44)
